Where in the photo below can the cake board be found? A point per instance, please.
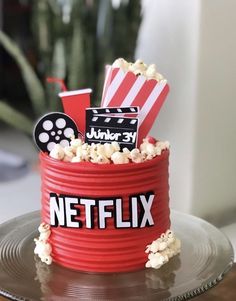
(205, 258)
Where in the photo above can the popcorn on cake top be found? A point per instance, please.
(162, 249)
(108, 153)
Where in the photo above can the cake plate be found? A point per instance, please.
(205, 258)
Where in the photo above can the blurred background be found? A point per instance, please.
(193, 43)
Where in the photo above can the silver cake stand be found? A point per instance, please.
(206, 257)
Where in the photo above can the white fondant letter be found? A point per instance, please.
(70, 212)
(147, 216)
(134, 212)
(102, 213)
(119, 222)
(89, 216)
(57, 214)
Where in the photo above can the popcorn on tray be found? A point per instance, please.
(162, 249)
(108, 153)
(42, 246)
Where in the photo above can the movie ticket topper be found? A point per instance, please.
(106, 125)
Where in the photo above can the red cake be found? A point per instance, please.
(110, 249)
(105, 204)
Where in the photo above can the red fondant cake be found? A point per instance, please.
(105, 194)
(108, 249)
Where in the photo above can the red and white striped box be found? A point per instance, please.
(123, 89)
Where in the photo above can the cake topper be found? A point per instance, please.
(127, 86)
(54, 128)
(74, 102)
(103, 126)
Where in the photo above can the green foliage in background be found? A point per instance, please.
(75, 39)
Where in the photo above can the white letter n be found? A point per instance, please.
(57, 214)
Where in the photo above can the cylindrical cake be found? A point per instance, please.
(103, 216)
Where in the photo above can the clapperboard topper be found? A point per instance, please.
(112, 124)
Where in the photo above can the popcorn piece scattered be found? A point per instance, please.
(156, 260)
(101, 159)
(139, 64)
(121, 63)
(139, 68)
(136, 156)
(76, 159)
(43, 228)
(159, 77)
(109, 149)
(42, 247)
(126, 151)
(162, 249)
(148, 148)
(119, 158)
(69, 153)
(75, 143)
(57, 152)
(108, 153)
(151, 71)
(116, 146)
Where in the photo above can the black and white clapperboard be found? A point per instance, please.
(112, 124)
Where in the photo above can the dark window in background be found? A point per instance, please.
(96, 33)
(15, 22)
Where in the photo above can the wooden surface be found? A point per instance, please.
(224, 291)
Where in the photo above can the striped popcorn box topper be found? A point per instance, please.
(124, 89)
(112, 124)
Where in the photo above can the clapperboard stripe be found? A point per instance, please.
(100, 118)
(113, 122)
(108, 125)
(122, 89)
(114, 110)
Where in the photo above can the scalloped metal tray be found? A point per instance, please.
(205, 258)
